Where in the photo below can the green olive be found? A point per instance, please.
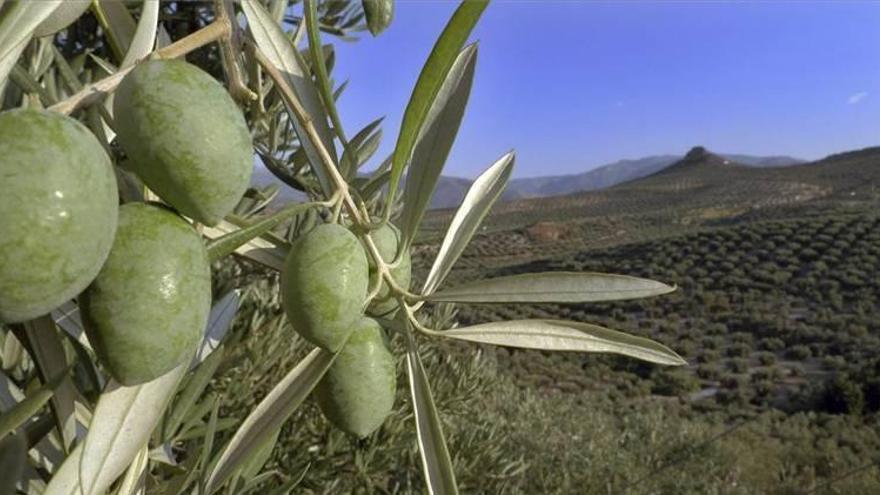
(324, 284)
(146, 311)
(357, 392)
(58, 209)
(185, 137)
(387, 238)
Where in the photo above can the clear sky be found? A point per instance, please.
(575, 84)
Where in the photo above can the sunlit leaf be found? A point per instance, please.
(433, 74)
(476, 205)
(561, 287)
(436, 463)
(379, 14)
(135, 476)
(277, 47)
(269, 415)
(121, 425)
(558, 335)
(435, 140)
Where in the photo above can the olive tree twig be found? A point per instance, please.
(230, 47)
(98, 90)
(305, 120)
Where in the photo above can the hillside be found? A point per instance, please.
(701, 188)
(451, 190)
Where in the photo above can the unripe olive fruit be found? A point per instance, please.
(146, 311)
(185, 137)
(387, 239)
(58, 209)
(324, 285)
(357, 392)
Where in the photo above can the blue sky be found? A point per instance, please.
(575, 84)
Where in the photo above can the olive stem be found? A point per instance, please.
(230, 45)
(96, 91)
(305, 120)
(410, 315)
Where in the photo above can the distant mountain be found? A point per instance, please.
(451, 190)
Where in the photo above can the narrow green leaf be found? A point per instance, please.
(47, 350)
(63, 16)
(24, 410)
(558, 335)
(219, 321)
(191, 392)
(17, 24)
(476, 205)
(359, 141)
(13, 457)
(435, 140)
(269, 415)
(433, 74)
(144, 37)
(121, 425)
(135, 476)
(561, 287)
(320, 64)
(228, 243)
(379, 14)
(279, 49)
(436, 463)
(118, 24)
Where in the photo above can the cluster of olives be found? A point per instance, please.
(142, 271)
(324, 288)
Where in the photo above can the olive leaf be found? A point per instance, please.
(192, 390)
(559, 287)
(430, 80)
(320, 68)
(144, 37)
(269, 415)
(435, 140)
(558, 335)
(47, 350)
(121, 425)
(17, 23)
(476, 205)
(226, 238)
(63, 16)
(118, 23)
(135, 476)
(362, 146)
(219, 322)
(277, 47)
(13, 458)
(436, 463)
(379, 14)
(27, 408)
